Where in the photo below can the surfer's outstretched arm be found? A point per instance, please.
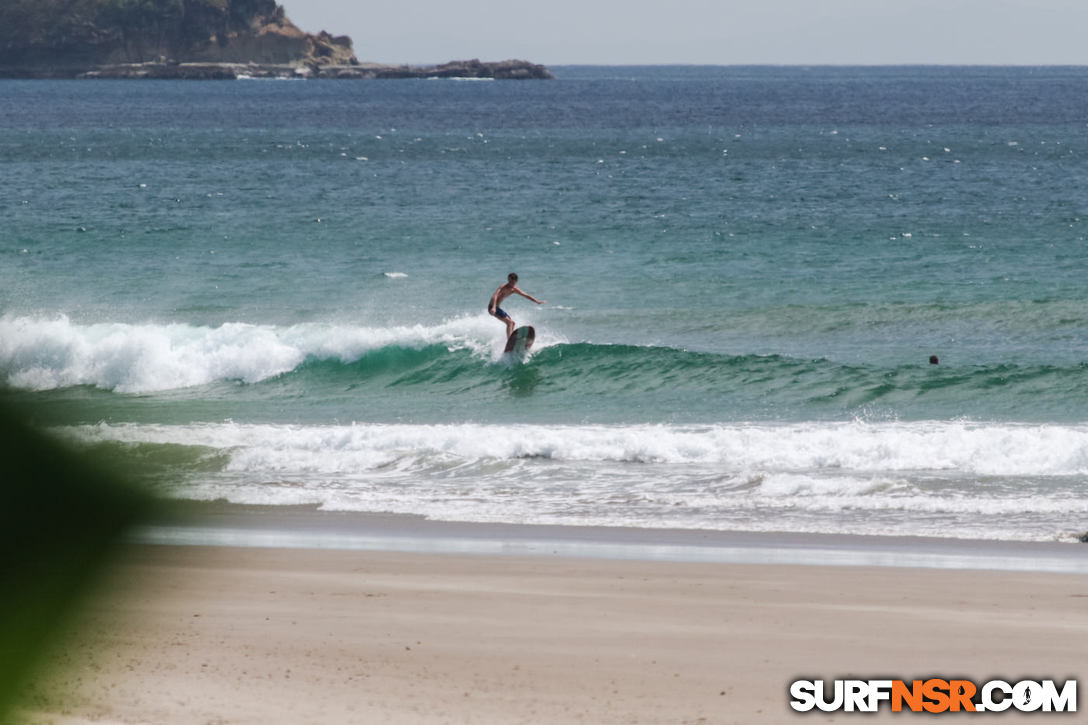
(528, 296)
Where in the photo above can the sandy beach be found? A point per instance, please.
(212, 634)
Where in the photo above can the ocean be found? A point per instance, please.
(274, 292)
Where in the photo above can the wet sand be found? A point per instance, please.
(214, 634)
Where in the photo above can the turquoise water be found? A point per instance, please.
(274, 292)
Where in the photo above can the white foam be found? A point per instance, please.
(857, 449)
(926, 478)
(44, 354)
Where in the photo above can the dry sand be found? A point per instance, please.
(193, 634)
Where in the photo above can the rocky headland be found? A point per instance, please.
(194, 39)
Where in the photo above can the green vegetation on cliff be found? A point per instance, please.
(71, 33)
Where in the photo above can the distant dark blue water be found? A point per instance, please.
(274, 291)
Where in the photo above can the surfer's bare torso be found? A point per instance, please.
(504, 291)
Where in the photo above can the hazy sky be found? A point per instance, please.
(707, 31)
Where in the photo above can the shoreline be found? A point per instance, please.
(244, 614)
(202, 70)
(217, 523)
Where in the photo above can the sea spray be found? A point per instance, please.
(974, 480)
(386, 373)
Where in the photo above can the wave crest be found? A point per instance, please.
(460, 355)
(46, 354)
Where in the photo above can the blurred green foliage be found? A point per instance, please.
(61, 516)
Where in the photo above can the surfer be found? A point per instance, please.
(504, 291)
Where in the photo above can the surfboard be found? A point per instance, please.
(520, 340)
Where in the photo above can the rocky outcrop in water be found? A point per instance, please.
(475, 69)
(503, 70)
(203, 39)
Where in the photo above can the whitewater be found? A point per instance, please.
(865, 475)
(936, 479)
